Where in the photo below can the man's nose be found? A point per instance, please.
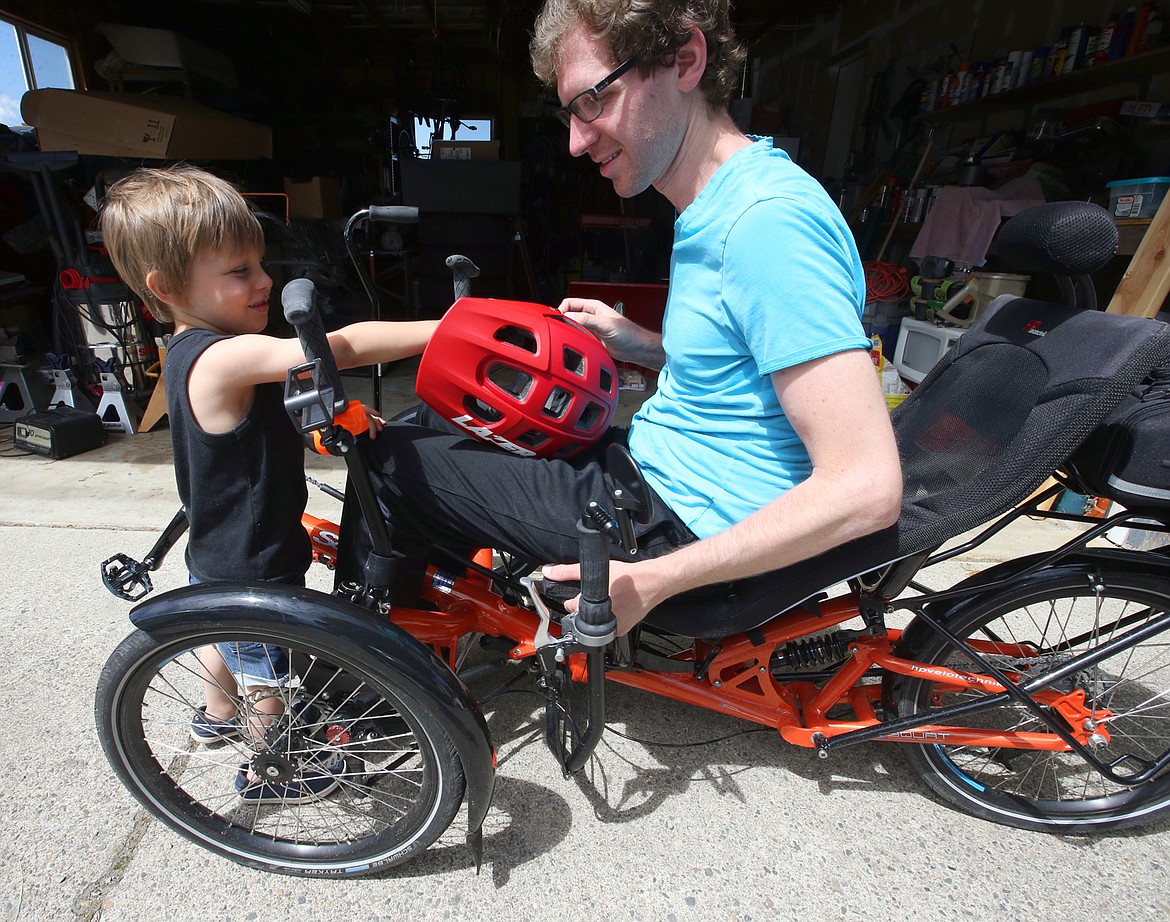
(581, 136)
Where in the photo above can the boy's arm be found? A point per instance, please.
(254, 358)
(373, 341)
(222, 380)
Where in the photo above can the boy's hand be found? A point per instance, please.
(377, 424)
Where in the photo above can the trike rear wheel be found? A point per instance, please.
(1026, 632)
(399, 778)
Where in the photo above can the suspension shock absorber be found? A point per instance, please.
(819, 650)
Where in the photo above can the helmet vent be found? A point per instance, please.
(510, 380)
(481, 411)
(590, 418)
(558, 403)
(518, 337)
(606, 381)
(533, 439)
(574, 362)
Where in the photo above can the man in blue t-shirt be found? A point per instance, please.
(768, 435)
(768, 440)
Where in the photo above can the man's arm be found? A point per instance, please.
(836, 407)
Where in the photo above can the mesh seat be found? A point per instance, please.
(988, 425)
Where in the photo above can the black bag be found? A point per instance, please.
(1127, 457)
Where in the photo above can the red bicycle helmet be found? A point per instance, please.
(520, 376)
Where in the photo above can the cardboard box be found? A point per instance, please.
(314, 198)
(465, 150)
(131, 125)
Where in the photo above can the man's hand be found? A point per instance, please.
(622, 338)
(630, 589)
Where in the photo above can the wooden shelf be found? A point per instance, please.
(1134, 69)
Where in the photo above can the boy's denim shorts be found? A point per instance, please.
(254, 664)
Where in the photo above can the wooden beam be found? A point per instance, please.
(1146, 282)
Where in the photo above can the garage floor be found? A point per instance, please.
(741, 828)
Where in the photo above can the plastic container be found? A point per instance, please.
(1137, 198)
(882, 318)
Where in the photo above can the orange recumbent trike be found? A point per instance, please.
(1035, 694)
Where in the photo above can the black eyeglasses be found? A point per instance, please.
(585, 105)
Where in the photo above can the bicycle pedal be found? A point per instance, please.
(126, 578)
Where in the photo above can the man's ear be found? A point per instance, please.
(159, 288)
(690, 61)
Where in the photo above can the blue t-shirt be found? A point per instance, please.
(764, 275)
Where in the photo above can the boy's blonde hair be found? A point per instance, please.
(162, 219)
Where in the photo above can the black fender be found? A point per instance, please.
(1017, 574)
(349, 628)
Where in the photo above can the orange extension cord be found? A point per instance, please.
(885, 282)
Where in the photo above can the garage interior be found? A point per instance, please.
(353, 103)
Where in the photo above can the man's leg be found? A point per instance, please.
(441, 489)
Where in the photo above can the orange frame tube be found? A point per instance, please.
(738, 678)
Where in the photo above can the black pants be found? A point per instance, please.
(438, 488)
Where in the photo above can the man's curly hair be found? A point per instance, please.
(651, 30)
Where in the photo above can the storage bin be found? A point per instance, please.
(1137, 198)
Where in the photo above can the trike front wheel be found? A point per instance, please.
(1032, 630)
(399, 780)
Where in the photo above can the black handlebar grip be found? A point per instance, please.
(394, 214)
(299, 301)
(595, 618)
(594, 553)
(463, 271)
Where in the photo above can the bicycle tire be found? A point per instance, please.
(1056, 615)
(400, 785)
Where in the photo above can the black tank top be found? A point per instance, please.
(244, 490)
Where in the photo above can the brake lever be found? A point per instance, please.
(542, 636)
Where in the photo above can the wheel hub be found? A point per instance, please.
(273, 768)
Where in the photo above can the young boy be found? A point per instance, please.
(189, 245)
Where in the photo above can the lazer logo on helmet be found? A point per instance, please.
(487, 435)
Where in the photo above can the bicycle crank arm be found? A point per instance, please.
(128, 578)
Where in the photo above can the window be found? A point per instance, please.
(471, 129)
(30, 59)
